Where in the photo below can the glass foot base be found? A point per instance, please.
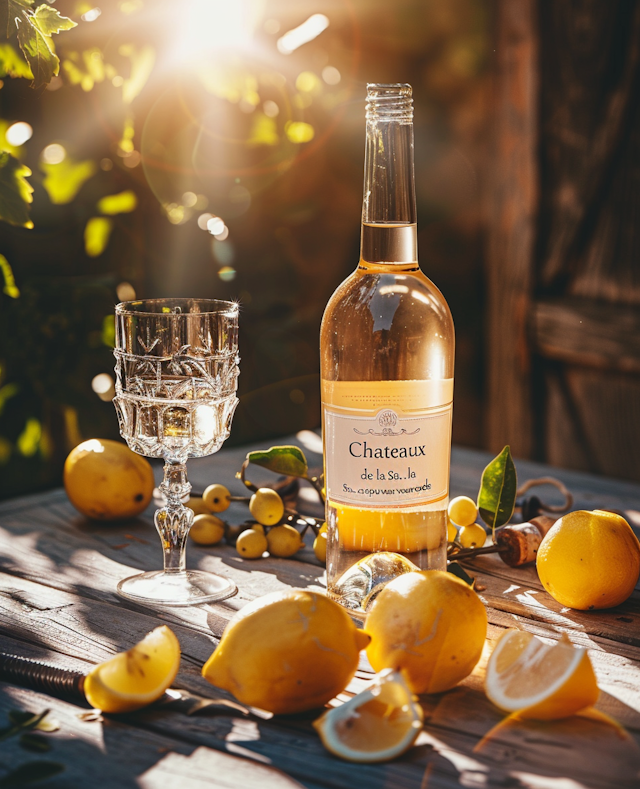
(192, 587)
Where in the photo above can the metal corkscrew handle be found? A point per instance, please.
(40, 676)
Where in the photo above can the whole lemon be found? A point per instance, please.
(207, 529)
(106, 481)
(251, 544)
(287, 652)
(589, 560)
(266, 506)
(284, 541)
(431, 625)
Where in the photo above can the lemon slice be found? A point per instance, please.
(538, 680)
(137, 677)
(376, 725)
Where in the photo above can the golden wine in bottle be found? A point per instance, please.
(387, 355)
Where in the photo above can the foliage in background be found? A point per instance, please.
(162, 162)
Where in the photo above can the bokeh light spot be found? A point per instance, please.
(299, 132)
(53, 154)
(103, 385)
(215, 225)
(106, 164)
(331, 75)
(189, 199)
(302, 34)
(270, 108)
(125, 291)
(308, 82)
(296, 396)
(18, 133)
(227, 273)
(92, 15)
(203, 219)
(223, 235)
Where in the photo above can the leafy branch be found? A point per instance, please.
(34, 28)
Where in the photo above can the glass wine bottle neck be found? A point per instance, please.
(389, 201)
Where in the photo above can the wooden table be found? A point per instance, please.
(57, 602)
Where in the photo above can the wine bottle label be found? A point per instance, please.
(392, 453)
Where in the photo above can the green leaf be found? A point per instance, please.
(15, 191)
(456, 569)
(122, 203)
(10, 288)
(30, 773)
(43, 62)
(22, 721)
(15, 8)
(49, 21)
(12, 63)
(64, 179)
(497, 495)
(287, 460)
(96, 235)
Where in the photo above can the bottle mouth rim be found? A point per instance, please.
(389, 102)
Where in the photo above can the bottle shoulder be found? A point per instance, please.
(384, 288)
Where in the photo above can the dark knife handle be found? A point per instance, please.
(40, 676)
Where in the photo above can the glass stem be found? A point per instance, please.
(174, 520)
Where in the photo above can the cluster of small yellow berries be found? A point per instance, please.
(461, 523)
(253, 538)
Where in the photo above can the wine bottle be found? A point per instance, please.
(387, 355)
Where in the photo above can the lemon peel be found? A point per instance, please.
(589, 560)
(537, 680)
(378, 724)
(287, 652)
(137, 677)
(431, 625)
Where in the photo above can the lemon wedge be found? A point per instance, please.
(378, 724)
(137, 677)
(538, 680)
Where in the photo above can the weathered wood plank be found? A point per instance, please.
(64, 624)
(588, 333)
(126, 756)
(511, 208)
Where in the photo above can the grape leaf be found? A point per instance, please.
(64, 179)
(43, 62)
(456, 569)
(497, 495)
(12, 63)
(15, 191)
(287, 460)
(14, 13)
(48, 20)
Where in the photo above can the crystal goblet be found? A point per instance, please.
(176, 380)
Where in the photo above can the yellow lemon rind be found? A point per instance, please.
(325, 724)
(573, 691)
(105, 697)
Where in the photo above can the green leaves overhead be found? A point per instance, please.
(12, 63)
(49, 21)
(64, 179)
(121, 203)
(34, 30)
(96, 235)
(10, 288)
(288, 460)
(497, 495)
(15, 191)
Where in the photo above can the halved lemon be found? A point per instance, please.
(376, 725)
(538, 680)
(137, 677)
